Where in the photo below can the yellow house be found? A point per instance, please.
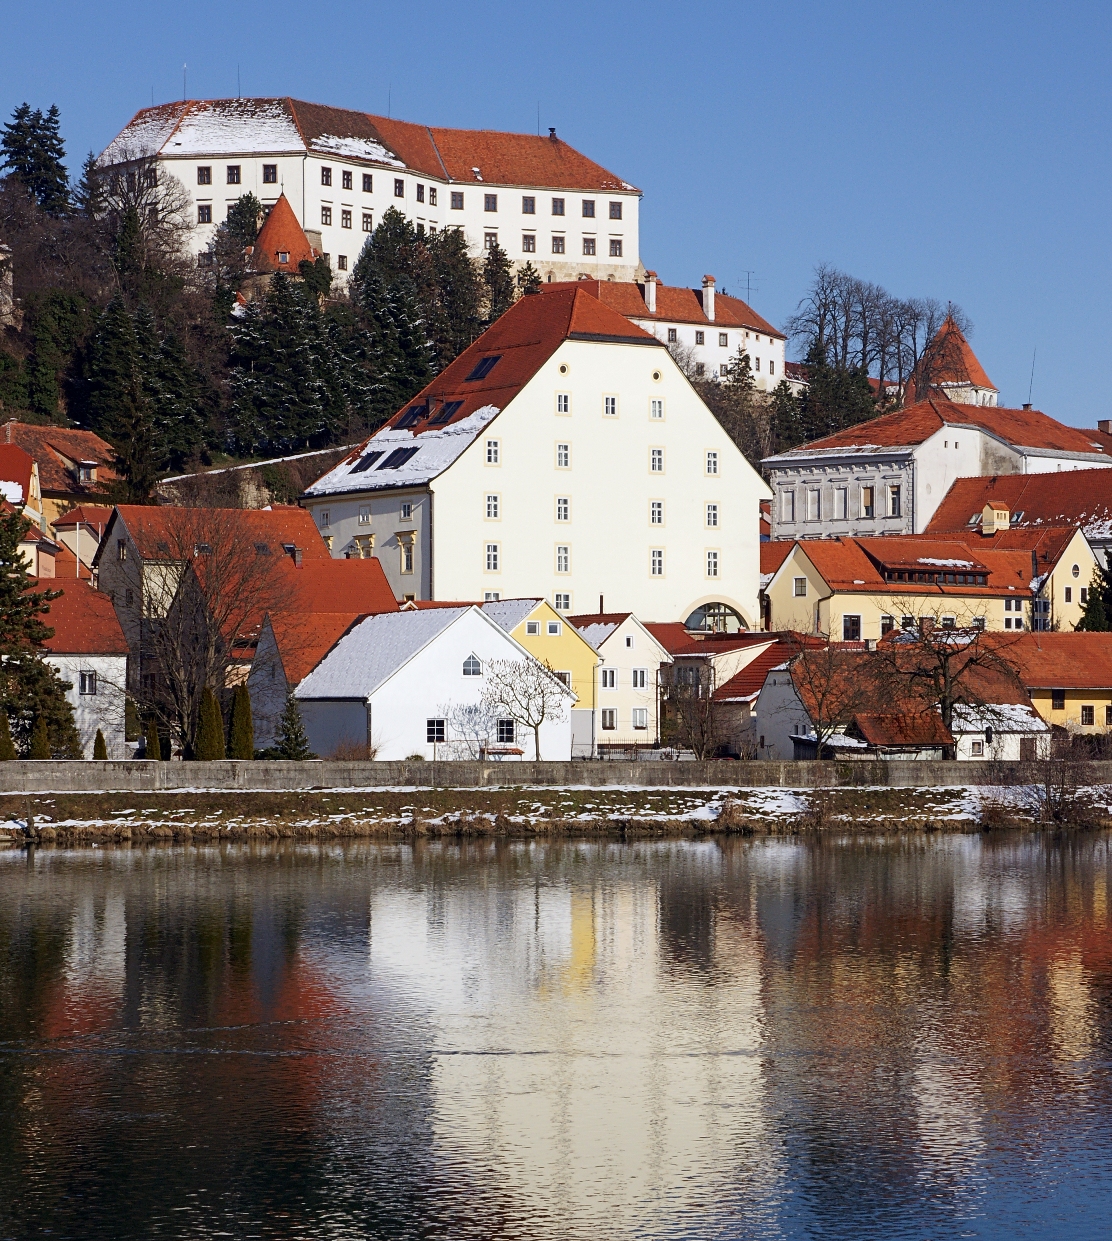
(859, 589)
(1068, 676)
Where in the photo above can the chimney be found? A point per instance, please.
(298, 555)
(650, 291)
(1026, 404)
(1105, 425)
(708, 297)
(1035, 564)
(552, 133)
(601, 609)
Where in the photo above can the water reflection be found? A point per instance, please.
(744, 1039)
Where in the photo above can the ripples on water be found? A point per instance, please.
(678, 1040)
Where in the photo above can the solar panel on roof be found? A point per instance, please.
(399, 457)
(366, 462)
(446, 414)
(484, 366)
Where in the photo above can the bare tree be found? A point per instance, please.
(469, 727)
(833, 683)
(688, 717)
(527, 691)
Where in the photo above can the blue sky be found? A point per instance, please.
(953, 150)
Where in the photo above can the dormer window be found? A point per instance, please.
(283, 256)
(86, 472)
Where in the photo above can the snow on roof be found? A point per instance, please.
(356, 148)
(945, 564)
(374, 650)
(597, 634)
(1007, 717)
(507, 614)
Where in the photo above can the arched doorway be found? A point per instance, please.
(716, 618)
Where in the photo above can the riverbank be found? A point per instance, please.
(112, 818)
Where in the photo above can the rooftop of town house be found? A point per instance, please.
(432, 429)
(83, 619)
(914, 424)
(59, 452)
(596, 627)
(303, 639)
(898, 729)
(673, 305)
(67, 566)
(168, 533)
(672, 635)
(744, 686)
(197, 128)
(281, 244)
(773, 555)
(1033, 500)
(1073, 661)
(16, 468)
(94, 515)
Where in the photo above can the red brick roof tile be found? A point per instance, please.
(84, 621)
(280, 234)
(58, 450)
(1080, 498)
(1060, 660)
(673, 305)
(304, 639)
(959, 364)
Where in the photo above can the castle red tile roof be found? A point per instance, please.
(908, 427)
(673, 305)
(281, 234)
(957, 364)
(58, 451)
(1081, 498)
(84, 621)
(304, 639)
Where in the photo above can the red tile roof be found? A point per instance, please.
(744, 686)
(774, 553)
(303, 639)
(57, 450)
(599, 618)
(66, 565)
(85, 514)
(673, 305)
(84, 621)
(1080, 498)
(955, 362)
(324, 585)
(16, 466)
(889, 729)
(670, 634)
(708, 645)
(280, 234)
(905, 428)
(1060, 660)
(161, 533)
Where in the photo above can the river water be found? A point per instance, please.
(765, 1039)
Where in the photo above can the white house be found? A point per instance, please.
(412, 683)
(89, 651)
(627, 679)
(563, 454)
(890, 474)
(1009, 732)
(540, 199)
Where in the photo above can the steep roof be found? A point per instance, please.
(84, 514)
(1061, 660)
(446, 416)
(202, 127)
(84, 621)
(773, 555)
(954, 362)
(323, 585)
(1034, 500)
(16, 467)
(673, 305)
(58, 451)
(507, 614)
(596, 627)
(303, 639)
(745, 685)
(891, 729)
(672, 635)
(913, 425)
(157, 532)
(281, 234)
(67, 567)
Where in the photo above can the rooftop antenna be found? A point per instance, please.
(1031, 385)
(538, 118)
(184, 91)
(239, 88)
(389, 97)
(748, 283)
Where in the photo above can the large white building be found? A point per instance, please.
(540, 199)
(564, 454)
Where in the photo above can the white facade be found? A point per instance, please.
(97, 694)
(627, 681)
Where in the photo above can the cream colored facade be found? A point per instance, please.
(626, 681)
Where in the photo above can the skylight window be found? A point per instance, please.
(451, 408)
(366, 462)
(399, 457)
(412, 416)
(484, 366)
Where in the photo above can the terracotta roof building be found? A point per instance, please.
(949, 368)
(72, 466)
(281, 244)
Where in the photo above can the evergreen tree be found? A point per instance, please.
(34, 152)
(171, 387)
(1095, 615)
(395, 353)
(88, 194)
(40, 741)
(316, 277)
(153, 744)
(7, 747)
(100, 749)
(56, 323)
(128, 255)
(456, 318)
(209, 744)
(499, 282)
(243, 221)
(292, 742)
(31, 692)
(241, 730)
(835, 398)
(785, 418)
(528, 279)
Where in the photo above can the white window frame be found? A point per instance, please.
(563, 509)
(609, 719)
(563, 558)
(533, 629)
(610, 406)
(640, 678)
(640, 719)
(656, 562)
(364, 515)
(656, 509)
(608, 678)
(493, 506)
(562, 601)
(563, 456)
(656, 460)
(493, 452)
(88, 683)
(712, 516)
(553, 629)
(712, 562)
(712, 462)
(563, 403)
(493, 558)
(656, 408)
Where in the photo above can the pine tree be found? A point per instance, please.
(56, 323)
(243, 221)
(100, 749)
(128, 256)
(1095, 616)
(784, 418)
(528, 279)
(209, 744)
(241, 731)
(499, 282)
(457, 318)
(154, 745)
(7, 747)
(88, 194)
(292, 742)
(40, 741)
(171, 387)
(835, 398)
(34, 152)
(316, 277)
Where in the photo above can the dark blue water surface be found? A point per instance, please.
(767, 1039)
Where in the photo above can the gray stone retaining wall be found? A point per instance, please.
(43, 776)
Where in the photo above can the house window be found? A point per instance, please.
(656, 512)
(724, 340)
(1084, 594)
(342, 260)
(887, 624)
(325, 518)
(89, 682)
(432, 198)
(492, 508)
(609, 678)
(978, 624)
(977, 749)
(1086, 716)
(121, 549)
(656, 408)
(270, 175)
(1108, 717)
(609, 719)
(204, 213)
(532, 629)
(712, 514)
(588, 245)
(672, 336)
(756, 364)
(406, 510)
(657, 562)
(368, 222)
(528, 206)
(712, 463)
(399, 187)
(656, 460)
(492, 557)
(771, 367)
(948, 622)
(368, 183)
(529, 243)
(563, 508)
(490, 240)
(563, 456)
(563, 558)
(1076, 570)
(407, 556)
(490, 202)
(1069, 594)
(326, 215)
(610, 406)
(814, 504)
(204, 175)
(420, 192)
(615, 248)
(700, 369)
(851, 628)
(492, 452)
(700, 338)
(129, 598)
(562, 603)
(557, 245)
(712, 564)
(841, 503)
(365, 515)
(434, 731)
(640, 718)
(893, 501)
(557, 206)
(867, 502)
(787, 506)
(616, 211)
(345, 219)
(554, 628)
(233, 174)
(457, 201)
(799, 585)
(326, 176)
(588, 208)
(472, 667)
(563, 403)
(505, 733)
(1057, 699)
